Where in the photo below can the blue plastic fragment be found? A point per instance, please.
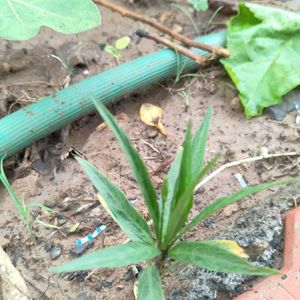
(90, 237)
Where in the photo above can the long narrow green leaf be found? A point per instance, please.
(180, 177)
(225, 201)
(184, 207)
(113, 257)
(136, 163)
(149, 285)
(199, 143)
(115, 202)
(168, 190)
(212, 255)
(17, 202)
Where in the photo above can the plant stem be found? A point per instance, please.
(188, 16)
(197, 58)
(242, 161)
(223, 52)
(171, 266)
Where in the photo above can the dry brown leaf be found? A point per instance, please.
(151, 115)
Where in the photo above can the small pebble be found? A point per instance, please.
(61, 220)
(72, 276)
(151, 132)
(55, 252)
(83, 296)
(48, 247)
(107, 284)
(81, 275)
(129, 275)
(79, 250)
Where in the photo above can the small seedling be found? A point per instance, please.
(162, 247)
(22, 208)
(120, 44)
(199, 4)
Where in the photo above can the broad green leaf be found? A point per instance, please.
(225, 201)
(264, 63)
(168, 191)
(199, 143)
(199, 4)
(115, 202)
(149, 285)
(22, 19)
(113, 51)
(113, 257)
(215, 256)
(136, 163)
(122, 42)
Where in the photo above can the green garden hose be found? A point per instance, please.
(20, 129)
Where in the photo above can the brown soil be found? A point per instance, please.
(33, 73)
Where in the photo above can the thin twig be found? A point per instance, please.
(197, 58)
(151, 146)
(242, 161)
(92, 272)
(153, 23)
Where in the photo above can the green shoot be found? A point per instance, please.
(199, 4)
(17, 202)
(23, 209)
(120, 44)
(189, 16)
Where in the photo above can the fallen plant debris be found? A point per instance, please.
(151, 115)
(243, 161)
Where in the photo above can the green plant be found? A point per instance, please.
(162, 247)
(120, 44)
(23, 209)
(199, 4)
(22, 19)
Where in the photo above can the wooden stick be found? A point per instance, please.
(223, 52)
(242, 161)
(197, 58)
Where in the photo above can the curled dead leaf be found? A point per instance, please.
(151, 115)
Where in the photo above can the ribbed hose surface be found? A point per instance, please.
(19, 129)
